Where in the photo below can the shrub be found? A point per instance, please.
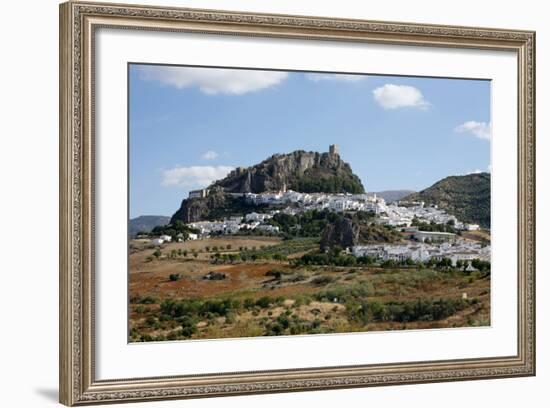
(188, 328)
(172, 336)
(175, 277)
(150, 321)
(249, 303)
(264, 302)
(275, 273)
(323, 280)
(147, 300)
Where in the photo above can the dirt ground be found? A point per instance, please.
(297, 287)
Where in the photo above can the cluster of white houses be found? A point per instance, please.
(394, 214)
(389, 214)
(233, 225)
(459, 250)
(167, 238)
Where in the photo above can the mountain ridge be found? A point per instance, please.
(145, 223)
(467, 197)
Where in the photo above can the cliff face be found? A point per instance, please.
(300, 171)
(343, 233)
(197, 209)
(347, 232)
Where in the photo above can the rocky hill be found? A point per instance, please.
(466, 197)
(299, 171)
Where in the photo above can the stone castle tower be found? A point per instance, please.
(333, 150)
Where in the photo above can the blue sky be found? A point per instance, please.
(190, 126)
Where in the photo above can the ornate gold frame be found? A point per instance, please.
(78, 21)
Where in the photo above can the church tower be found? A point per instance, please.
(333, 150)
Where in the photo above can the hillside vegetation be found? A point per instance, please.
(466, 197)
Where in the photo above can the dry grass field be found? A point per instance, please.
(171, 297)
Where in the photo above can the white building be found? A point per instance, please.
(268, 228)
(464, 257)
(157, 241)
(254, 216)
(463, 250)
(199, 193)
(434, 236)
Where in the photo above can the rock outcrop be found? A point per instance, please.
(348, 231)
(301, 171)
(343, 233)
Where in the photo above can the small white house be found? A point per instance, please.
(254, 216)
(268, 228)
(166, 238)
(193, 237)
(157, 241)
(434, 236)
(472, 227)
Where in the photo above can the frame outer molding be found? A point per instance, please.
(76, 255)
(66, 200)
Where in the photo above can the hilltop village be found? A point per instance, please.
(420, 245)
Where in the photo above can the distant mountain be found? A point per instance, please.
(466, 197)
(146, 223)
(393, 195)
(301, 171)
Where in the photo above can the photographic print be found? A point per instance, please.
(268, 203)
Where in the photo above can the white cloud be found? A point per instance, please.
(392, 96)
(213, 80)
(210, 155)
(194, 176)
(478, 129)
(316, 77)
